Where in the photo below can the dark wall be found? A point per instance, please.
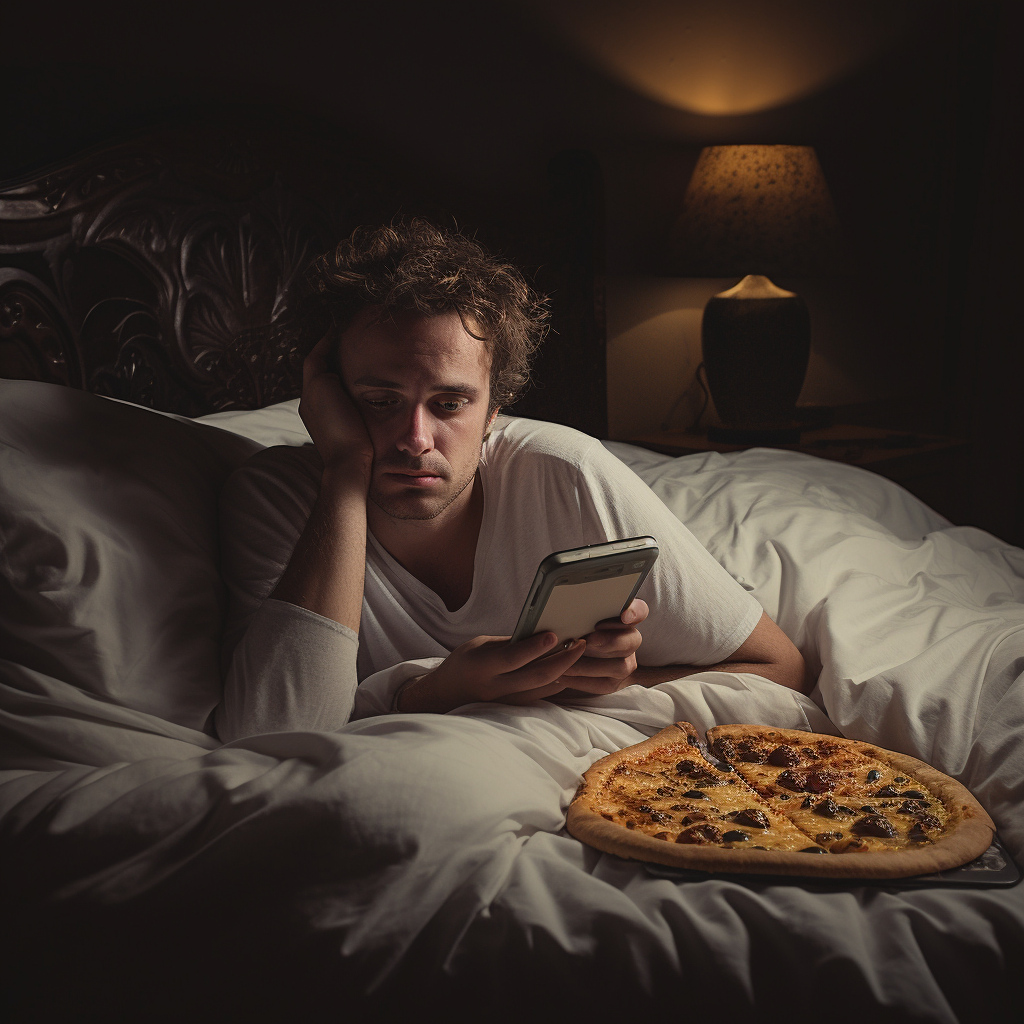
(919, 142)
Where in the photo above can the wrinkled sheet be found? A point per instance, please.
(414, 858)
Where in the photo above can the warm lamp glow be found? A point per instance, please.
(755, 210)
(730, 56)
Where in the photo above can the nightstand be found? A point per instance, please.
(931, 467)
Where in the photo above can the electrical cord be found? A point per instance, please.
(667, 422)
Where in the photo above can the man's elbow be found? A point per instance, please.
(791, 670)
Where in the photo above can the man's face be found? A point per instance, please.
(422, 386)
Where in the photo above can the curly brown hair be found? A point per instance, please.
(417, 266)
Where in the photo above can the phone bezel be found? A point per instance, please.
(582, 565)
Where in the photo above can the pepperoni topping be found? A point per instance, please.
(700, 835)
(827, 808)
(752, 754)
(794, 780)
(874, 825)
(695, 816)
(822, 779)
(912, 806)
(784, 757)
(753, 817)
(725, 749)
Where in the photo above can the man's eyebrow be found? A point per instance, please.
(451, 387)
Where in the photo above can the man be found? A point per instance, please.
(415, 526)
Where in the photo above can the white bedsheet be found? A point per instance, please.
(406, 859)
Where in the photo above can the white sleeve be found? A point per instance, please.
(264, 507)
(285, 667)
(293, 669)
(699, 614)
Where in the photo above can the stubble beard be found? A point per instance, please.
(399, 507)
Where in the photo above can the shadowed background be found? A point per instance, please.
(912, 107)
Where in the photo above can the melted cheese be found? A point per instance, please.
(675, 789)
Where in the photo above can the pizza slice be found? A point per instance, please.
(673, 793)
(834, 790)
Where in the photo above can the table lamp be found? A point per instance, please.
(762, 212)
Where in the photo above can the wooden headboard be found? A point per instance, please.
(168, 269)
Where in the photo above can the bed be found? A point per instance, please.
(151, 333)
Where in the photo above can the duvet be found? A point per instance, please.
(408, 864)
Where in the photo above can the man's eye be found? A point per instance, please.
(379, 403)
(451, 405)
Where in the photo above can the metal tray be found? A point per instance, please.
(995, 868)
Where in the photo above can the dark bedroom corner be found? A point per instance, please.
(268, 748)
(913, 110)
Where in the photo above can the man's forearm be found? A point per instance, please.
(789, 674)
(325, 573)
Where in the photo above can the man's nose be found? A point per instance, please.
(417, 438)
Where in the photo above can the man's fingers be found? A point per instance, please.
(637, 611)
(322, 349)
(317, 360)
(542, 671)
(613, 643)
(513, 656)
(613, 668)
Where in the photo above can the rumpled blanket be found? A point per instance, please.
(417, 863)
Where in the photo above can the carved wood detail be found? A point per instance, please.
(169, 270)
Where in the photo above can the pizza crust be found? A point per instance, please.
(968, 832)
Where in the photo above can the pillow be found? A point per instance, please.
(109, 575)
(276, 424)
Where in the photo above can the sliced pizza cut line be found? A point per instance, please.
(839, 796)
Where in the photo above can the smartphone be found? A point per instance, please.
(574, 590)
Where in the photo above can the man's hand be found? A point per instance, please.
(327, 411)
(609, 661)
(325, 572)
(489, 668)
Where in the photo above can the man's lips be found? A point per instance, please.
(414, 478)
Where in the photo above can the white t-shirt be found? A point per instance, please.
(545, 488)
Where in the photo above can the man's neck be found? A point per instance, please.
(439, 552)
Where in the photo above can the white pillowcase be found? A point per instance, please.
(276, 424)
(109, 576)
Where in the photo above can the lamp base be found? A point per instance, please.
(756, 341)
(752, 435)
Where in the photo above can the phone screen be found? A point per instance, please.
(576, 589)
(572, 610)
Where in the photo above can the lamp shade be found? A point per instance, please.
(755, 210)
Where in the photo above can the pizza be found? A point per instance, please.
(760, 800)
